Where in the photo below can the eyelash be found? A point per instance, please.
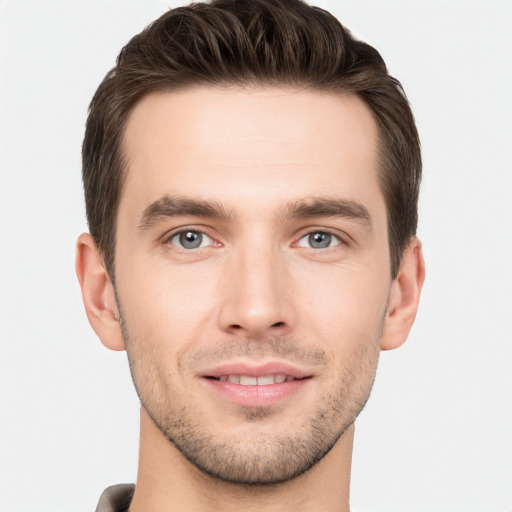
(175, 235)
(168, 239)
(332, 237)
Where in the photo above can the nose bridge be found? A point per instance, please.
(255, 300)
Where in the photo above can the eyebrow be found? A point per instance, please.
(167, 207)
(321, 207)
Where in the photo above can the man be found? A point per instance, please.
(251, 176)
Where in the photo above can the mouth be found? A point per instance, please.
(263, 380)
(256, 385)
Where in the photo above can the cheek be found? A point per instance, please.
(343, 305)
(332, 302)
(160, 299)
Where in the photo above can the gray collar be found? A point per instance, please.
(116, 498)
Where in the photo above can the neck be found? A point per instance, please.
(167, 481)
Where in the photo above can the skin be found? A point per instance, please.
(274, 167)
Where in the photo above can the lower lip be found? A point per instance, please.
(256, 396)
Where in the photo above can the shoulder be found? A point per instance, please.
(116, 498)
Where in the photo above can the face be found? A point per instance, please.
(252, 273)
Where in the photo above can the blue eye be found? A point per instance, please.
(319, 240)
(191, 239)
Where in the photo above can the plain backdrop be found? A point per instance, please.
(436, 434)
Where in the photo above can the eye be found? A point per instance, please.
(190, 239)
(319, 240)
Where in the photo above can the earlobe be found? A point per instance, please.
(98, 293)
(404, 297)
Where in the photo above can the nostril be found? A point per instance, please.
(254, 330)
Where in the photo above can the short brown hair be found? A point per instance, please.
(249, 42)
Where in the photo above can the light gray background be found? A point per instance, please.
(437, 433)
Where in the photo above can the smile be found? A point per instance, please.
(248, 380)
(255, 387)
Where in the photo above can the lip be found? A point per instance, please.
(256, 370)
(253, 395)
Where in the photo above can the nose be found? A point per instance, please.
(255, 295)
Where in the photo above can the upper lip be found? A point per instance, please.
(256, 369)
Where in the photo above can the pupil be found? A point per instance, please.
(320, 240)
(190, 239)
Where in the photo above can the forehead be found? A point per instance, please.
(249, 146)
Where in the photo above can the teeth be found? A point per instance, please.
(267, 380)
(247, 380)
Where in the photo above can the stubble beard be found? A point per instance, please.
(260, 460)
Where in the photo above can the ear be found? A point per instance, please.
(98, 293)
(404, 297)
